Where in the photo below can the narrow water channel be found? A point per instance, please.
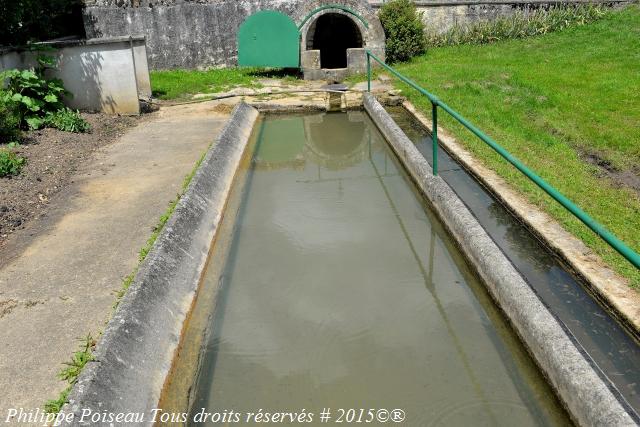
(614, 351)
(338, 288)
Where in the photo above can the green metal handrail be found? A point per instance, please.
(596, 227)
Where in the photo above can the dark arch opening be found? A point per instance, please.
(332, 34)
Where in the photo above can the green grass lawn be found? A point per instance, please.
(552, 101)
(183, 84)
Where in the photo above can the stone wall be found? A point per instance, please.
(202, 33)
(192, 33)
(439, 19)
(179, 34)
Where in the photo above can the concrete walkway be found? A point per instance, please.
(61, 285)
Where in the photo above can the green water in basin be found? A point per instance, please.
(338, 288)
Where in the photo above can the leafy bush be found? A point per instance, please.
(37, 100)
(67, 120)
(9, 119)
(33, 101)
(10, 162)
(34, 95)
(519, 25)
(403, 29)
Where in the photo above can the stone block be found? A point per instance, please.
(310, 60)
(356, 60)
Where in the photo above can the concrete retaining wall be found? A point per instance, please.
(588, 396)
(136, 352)
(108, 75)
(440, 16)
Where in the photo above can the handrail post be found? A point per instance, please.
(434, 135)
(368, 72)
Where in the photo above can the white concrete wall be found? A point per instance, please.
(107, 75)
(142, 68)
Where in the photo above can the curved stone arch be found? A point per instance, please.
(372, 34)
(333, 6)
(360, 13)
(309, 27)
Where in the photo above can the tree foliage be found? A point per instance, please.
(23, 21)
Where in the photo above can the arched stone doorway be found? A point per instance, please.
(332, 34)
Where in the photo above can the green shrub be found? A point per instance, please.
(34, 95)
(519, 25)
(67, 120)
(37, 101)
(10, 162)
(403, 29)
(9, 119)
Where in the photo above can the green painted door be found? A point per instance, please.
(268, 39)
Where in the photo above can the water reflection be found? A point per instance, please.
(333, 142)
(341, 290)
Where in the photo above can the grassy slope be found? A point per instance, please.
(547, 99)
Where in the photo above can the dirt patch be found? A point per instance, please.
(629, 178)
(223, 108)
(52, 157)
(7, 307)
